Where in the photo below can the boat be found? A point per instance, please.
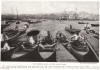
(96, 36)
(71, 31)
(80, 53)
(6, 53)
(35, 52)
(48, 53)
(12, 43)
(26, 51)
(82, 23)
(47, 48)
(83, 52)
(34, 21)
(3, 26)
(30, 54)
(94, 25)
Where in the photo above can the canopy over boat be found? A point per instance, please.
(33, 32)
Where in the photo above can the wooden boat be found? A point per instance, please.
(34, 21)
(71, 31)
(19, 53)
(27, 48)
(94, 25)
(12, 43)
(6, 54)
(79, 52)
(26, 55)
(82, 23)
(3, 27)
(95, 36)
(35, 53)
(83, 53)
(48, 53)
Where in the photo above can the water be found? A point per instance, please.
(55, 25)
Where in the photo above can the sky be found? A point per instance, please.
(42, 7)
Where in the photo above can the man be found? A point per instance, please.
(70, 26)
(31, 43)
(45, 39)
(17, 24)
(76, 39)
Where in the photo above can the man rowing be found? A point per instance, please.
(46, 40)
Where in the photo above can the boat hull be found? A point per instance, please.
(48, 54)
(6, 56)
(27, 55)
(95, 25)
(79, 54)
(81, 23)
(72, 31)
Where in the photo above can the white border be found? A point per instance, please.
(3, 64)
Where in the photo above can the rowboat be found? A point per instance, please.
(79, 51)
(20, 53)
(6, 53)
(26, 55)
(83, 52)
(94, 25)
(48, 53)
(35, 53)
(71, 31)
(28, 51)
(34, 21)
(81, 23)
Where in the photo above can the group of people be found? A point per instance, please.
(44, 37)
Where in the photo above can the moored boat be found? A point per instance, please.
(83, 52)
(6, 51)
(82, 23)
(26, 55)
(79, 52)
(48, 53)
(94, 25)
(71, 31)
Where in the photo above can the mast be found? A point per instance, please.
(17, 14)
(76, 15)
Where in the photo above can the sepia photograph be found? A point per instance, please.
(49, 31)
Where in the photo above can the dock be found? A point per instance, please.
(63, 55)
